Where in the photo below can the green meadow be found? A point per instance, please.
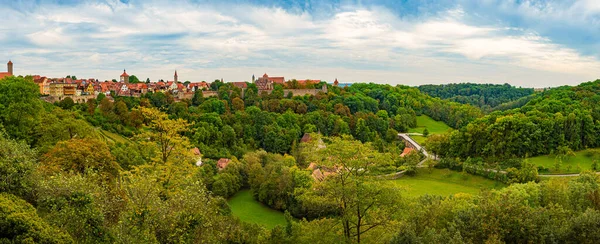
(580, 162)
(443, 182)
(244, 206)
(433, 126)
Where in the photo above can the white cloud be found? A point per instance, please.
(368, 43)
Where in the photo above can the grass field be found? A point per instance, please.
(249, 210)
(581, 161)
(109, 136)
(434, 127)
(443, 182)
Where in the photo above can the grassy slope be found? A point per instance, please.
(109, 136)
(434, 127)
(247, 209)
(443, 182)
(581, 159)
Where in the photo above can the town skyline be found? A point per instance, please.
(410, 43)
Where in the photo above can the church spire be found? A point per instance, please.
(175, 76)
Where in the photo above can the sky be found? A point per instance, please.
(528, 43)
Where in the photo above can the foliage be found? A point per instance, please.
(20, 107)
(482, 95)
(164, 135)
(17, 164)
(80, 156)
(19, 223)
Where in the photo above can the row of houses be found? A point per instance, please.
(82, 89)
(67, 87)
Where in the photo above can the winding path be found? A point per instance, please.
(406, 137)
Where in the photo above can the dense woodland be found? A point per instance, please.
(63, 180)
(485, 96)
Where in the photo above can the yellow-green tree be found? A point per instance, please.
(363, 203)
(165, 135)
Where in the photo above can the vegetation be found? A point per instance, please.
(426, 125)
(244, 206)
(443, 182)
(561, 117)
(64, 179)
(585, 160)
(485, 96)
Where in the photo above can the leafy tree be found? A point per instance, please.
(17, 164)
(425, 132)
(20, 223)
(81, 156)
(133, 79)
(20, 107)
(91, 106)
(164, 134)
(66, 103)
(363, 204)
(198, 98)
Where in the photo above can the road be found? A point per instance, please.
(406, 137)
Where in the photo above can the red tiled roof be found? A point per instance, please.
(306, 138)
(240, 84)
(406, 151)
(9, 62)
(124, 74)
(223, 162)
(196, 151)
(278, 80)
(4, 74)
(336, 82)
(306, 82)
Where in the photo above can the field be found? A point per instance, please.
(434, 127)
(112, 137)
(581, 161)
(443, 182)
(249, 210)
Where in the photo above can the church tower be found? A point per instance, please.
(175, 76)
(253, 79)
(10, 67)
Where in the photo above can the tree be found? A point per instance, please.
(425, 132)
(362, 203)
(106, 106)
(66, 103)
(91, 106)
(100, 97)
(238, 104)
(20, 107)
(20, 223)
(165, 134)
(81, 156)
(198, 98)
(133, 79)
(17, 164)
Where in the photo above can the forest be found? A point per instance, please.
(123, 170)
(486, 96)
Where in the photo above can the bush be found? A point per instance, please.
(19, 223)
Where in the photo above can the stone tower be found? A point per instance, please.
(253, 79)
(10, 67)
(124, 77)
(175, 76)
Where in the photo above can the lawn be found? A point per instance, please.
(434, 127)
(443, 182)
(244, 206)
(581, 161)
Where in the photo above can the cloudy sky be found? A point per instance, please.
(535, 43)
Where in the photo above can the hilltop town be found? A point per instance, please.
(80, 90)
